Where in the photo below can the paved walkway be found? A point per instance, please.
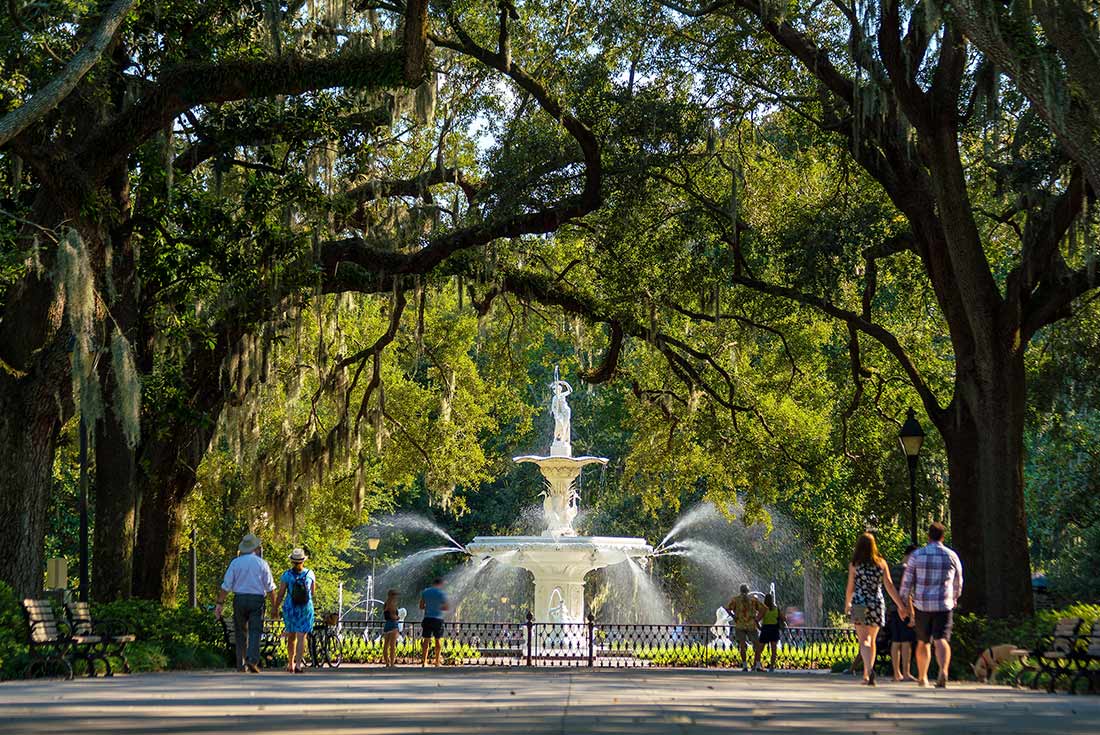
(527, 702)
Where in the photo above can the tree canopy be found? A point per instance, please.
(293, 265)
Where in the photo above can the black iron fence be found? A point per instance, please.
(580, 644)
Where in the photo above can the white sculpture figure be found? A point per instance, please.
(721, 629)
(558, 613)
(559, 407)
(549, 512)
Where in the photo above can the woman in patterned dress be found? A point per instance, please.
(297, 615)
(867, 575)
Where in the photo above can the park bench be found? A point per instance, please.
(270, 639)
(112, 634)
(53, 641)
(1054, 655)
(1088, 660)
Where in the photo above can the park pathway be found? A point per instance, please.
(528, 702)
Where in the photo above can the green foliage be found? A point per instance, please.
(13, 634)
(152, 622)
(972, 633)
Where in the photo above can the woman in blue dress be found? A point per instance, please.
(296, 589)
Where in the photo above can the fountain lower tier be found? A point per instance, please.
(559, 565)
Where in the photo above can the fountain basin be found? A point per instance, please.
(559, 564)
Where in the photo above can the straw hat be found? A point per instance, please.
(298, 555)
(248, 544)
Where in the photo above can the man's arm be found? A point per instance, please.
(270, 583)
(958, 586)
(907, 579)
(223, 591)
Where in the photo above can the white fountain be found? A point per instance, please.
(559, 558)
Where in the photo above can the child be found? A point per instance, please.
(770, 626)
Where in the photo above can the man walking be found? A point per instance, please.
(249, 579)
(747, 611)
(933, 576)
(433, 601)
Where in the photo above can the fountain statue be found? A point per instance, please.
(559, 558)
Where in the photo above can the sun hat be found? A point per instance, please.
(248, 544)
(298, 555)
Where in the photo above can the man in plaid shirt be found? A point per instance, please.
(933, 578)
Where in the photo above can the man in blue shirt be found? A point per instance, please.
(433, 601)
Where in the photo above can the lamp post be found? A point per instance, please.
(372, 544)
(911, 437)
(82, 506)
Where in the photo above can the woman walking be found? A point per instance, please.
(390, 629)
(296, 591)
(867, 575)
(770, 626)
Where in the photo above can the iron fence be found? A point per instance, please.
(586, 644)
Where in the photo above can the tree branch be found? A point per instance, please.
(50, 96)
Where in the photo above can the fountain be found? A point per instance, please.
(559, 558)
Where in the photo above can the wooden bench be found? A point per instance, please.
(52, 641)
(1054, 655)
(270, 639)
(112, 633)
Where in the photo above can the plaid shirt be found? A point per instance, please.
(934, 577)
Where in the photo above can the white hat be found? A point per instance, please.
(298, 555)
(248, 544)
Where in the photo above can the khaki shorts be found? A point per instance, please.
(751, 635)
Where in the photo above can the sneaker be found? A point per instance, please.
(745, 668)
(253, 669)
(758, 669)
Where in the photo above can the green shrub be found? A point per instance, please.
(151, 621)
(146, 657)
(973, 633)
(13, 635)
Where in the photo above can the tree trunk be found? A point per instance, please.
(30, 423)
(160, 531)
(115, 491)
(115, 510)
(983, 435)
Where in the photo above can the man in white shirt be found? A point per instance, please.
(249, 579)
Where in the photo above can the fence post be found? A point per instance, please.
(591, 640)
(530, 631)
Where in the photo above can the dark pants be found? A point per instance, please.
(248, 612)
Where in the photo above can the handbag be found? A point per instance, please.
(858, 613)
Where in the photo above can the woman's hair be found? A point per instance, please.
(391, 595)
(866, 550)
(769, 601)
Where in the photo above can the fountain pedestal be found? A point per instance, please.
(559, 564)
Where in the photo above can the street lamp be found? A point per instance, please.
(372, 544)
(911, 437)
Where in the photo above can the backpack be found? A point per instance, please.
(299, 590)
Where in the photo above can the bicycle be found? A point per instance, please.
(325, 642)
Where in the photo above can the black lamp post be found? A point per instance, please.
(82, 506)
(911, 437)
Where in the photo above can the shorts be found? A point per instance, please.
(432, 627)
(900, 632)
(934, 626)
(751, 635)
(769, 633)
(389, 626)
